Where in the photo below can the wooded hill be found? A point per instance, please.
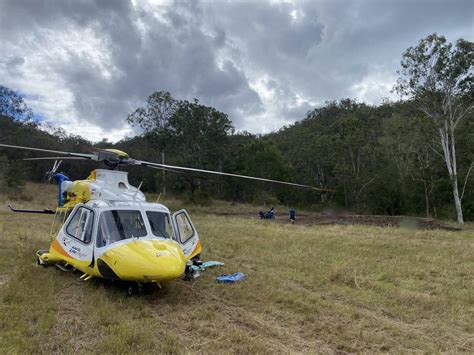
(384, 159)
(375, 157)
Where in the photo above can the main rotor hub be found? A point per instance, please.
(112, 158)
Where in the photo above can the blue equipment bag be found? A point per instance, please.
(238, 276)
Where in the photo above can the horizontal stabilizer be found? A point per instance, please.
(31, 211)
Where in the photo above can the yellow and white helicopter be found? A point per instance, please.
(105, 228)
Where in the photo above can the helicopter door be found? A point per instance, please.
(77, 239)
(186, 234)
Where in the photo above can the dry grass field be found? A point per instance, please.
(309, 288)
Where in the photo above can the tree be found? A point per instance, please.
(355, 153)
(196, 135)
(260, 157)
(160, 107)
(414, 161)
(423, 165)
(192, 134)
(12, 105)
(439, 77)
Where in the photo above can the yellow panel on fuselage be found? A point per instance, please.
(79, 192)
(146, 260)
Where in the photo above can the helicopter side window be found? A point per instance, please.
(160, 224)
(116, 225)
(80, 226)
(185, 229)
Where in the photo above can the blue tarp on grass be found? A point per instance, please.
(238, 276)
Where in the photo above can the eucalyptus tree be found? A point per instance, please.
(439, 77)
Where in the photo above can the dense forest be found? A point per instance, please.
(414, 156)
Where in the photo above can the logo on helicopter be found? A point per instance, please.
(75, 250)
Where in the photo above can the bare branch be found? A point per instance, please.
(364, 186)
(436, 151)
(462, 114)
(465, 180)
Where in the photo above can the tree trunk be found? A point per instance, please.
(427, 200)
(193, 188)
(457, 200)
(427, 195)
(345, 195)
(449, 150)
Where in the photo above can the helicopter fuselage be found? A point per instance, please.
(107, 229)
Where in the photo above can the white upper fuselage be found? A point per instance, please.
(111, 185)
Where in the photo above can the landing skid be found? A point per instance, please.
(64, 267)
(191, 273)
(139, 288)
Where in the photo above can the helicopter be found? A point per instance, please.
(104, 227)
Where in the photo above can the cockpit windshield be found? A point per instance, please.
(116, 225)
(160, 224)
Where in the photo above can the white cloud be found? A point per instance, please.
(374, 87)
(85, 65)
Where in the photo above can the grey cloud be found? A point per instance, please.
(15, 61)
(174, 54)
(305, 52)
(12, 64)
(336, 44)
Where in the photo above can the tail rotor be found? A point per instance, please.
(51, 173)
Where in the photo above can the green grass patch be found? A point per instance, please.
(308, 289)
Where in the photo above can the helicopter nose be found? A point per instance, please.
(145, 261)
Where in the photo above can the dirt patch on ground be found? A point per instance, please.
(350, 219)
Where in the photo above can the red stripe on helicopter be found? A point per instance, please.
(57, 247)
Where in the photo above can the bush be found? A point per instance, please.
(265, 198)
(12, 176)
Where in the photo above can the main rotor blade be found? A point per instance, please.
(158, 166)
(57, 158)
(83, 155)
(180, 173)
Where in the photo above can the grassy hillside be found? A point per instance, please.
(309, 288)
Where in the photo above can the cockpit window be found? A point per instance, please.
(80, 226)
(160, 224)
(118, 225)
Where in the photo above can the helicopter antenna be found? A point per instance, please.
(138, 189)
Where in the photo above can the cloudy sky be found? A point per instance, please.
(84, 65)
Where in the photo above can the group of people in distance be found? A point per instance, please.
(270, 214)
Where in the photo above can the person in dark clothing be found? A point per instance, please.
(292, 215)
(267, 215)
